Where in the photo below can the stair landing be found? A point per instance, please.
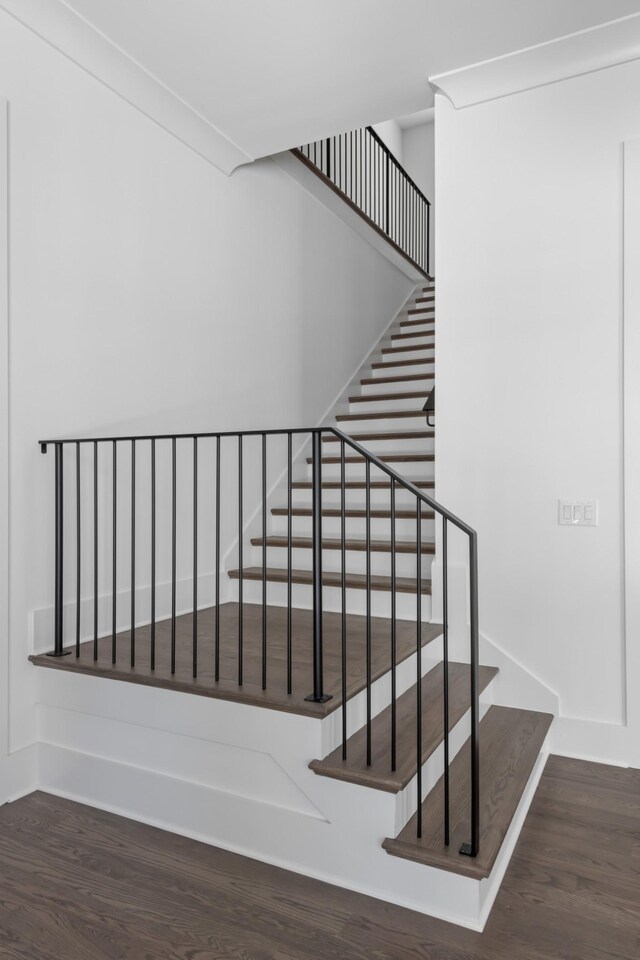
(275, 697)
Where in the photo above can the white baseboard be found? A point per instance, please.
(18, 774)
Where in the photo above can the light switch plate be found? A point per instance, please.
(578, 513)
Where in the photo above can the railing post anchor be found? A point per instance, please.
(58, 650)
(318, 695)
(467, 850)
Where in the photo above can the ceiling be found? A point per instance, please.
(268, 74)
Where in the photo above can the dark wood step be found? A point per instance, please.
(392, 435)
(429, 301)
(351, 543)
(426, 299)
(418, 323)
(385, 457)
(386, 364)
(510, 744)
(354, 581)
(379, 775)
(380, 415)
(275, 697)
(360, 484)
(406, 378)
(374, 397)
(377, 513)
(420, 346)
(412, 336)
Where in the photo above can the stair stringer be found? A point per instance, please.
(173, 760)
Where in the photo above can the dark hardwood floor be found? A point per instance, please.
(80, 884)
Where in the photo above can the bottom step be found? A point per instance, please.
(510, 743)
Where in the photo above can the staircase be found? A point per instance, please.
(383, 763)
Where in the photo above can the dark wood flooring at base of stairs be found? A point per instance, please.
(510, 743)
(83, 884)
(275, 697)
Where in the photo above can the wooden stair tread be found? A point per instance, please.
(413, 348)
(376, 513)
(382, 397)
(417, 322)
(351, 543)
(400, 378)
(428, 434)
(359, 484)
(379, 775)
(354, 581)
(412, 336)
(510, 744)
(380, 415)
(386, 364)
(385, 457)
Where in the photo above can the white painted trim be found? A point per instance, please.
(72, 36)
(4, 431)
(585, 51)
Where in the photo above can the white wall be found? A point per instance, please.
(391, 133)
(148, 292)
(530, 403)
(418, 152)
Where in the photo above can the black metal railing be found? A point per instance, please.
(360, 167)
(144, 469)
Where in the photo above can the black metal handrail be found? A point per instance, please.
(362, 169)
(422, 500)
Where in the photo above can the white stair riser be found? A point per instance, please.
(302, 595)
(399, 386)
(379, 497)
(383, 404)
(425, 326)
(357, 471)
(417, 338)
(355, 526)
(382, 446)
(392, 371)
(302, 559)
(417, 422)
(416, 353)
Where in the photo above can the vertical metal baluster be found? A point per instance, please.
(445, 676)
(78, 550)
(114, 552)
(217, 638)
(58, 623)
(95, 549)
(318, 695)
(133, 553)
(240, 558)
(393, 627)
(289, 548)
(194, 634)
(343, 549)
(339, 160)
(174, 497)
(387, 194)
(471, 849)
(368, 602)
(419, 663)
(351, 164)
(428, 237)
(264, 560)
(153, 554)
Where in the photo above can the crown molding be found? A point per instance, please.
(578, 53)
(76, 39)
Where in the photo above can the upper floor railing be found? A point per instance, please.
(362, 169)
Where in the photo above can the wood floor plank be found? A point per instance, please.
(82, 884)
